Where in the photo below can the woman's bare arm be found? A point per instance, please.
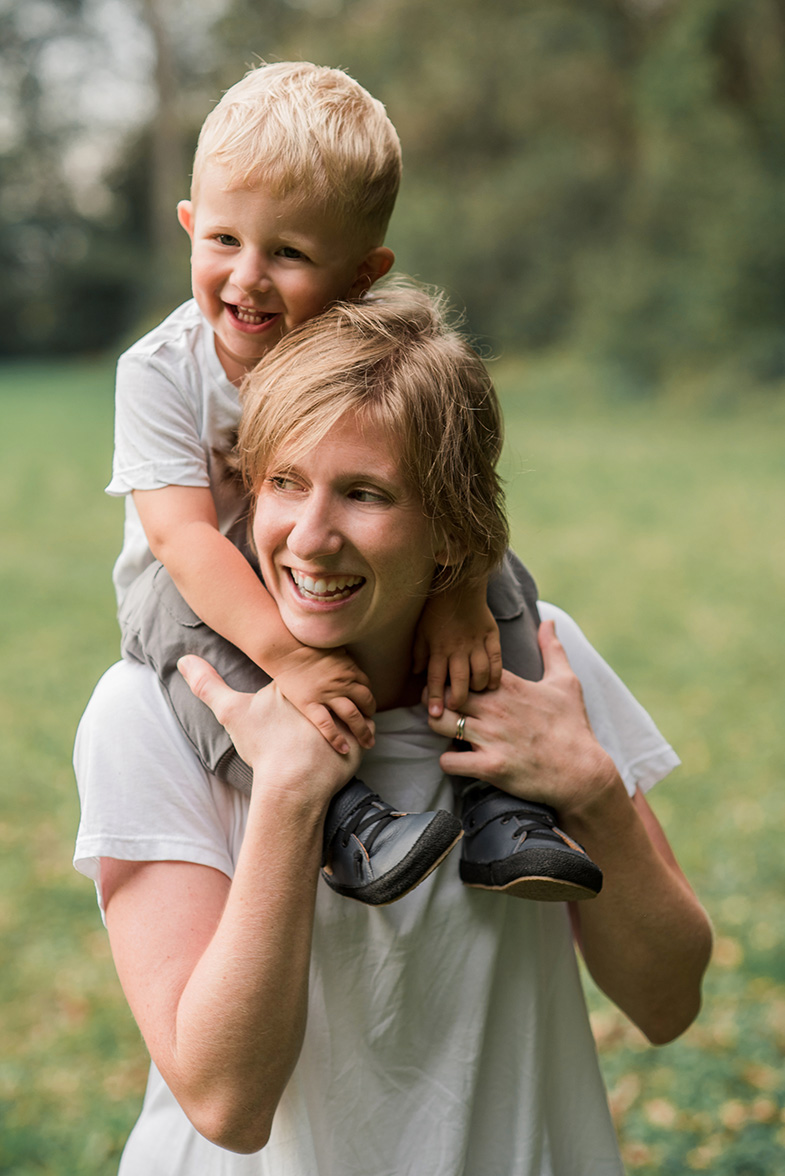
(646, 939)
(216, 972)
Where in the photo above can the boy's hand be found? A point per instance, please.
(458, 639)
(323, 685)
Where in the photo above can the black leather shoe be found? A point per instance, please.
(376, 854)
(513, 845)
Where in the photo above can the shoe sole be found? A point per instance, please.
(409, 872)
(540, 875)
(540, 890)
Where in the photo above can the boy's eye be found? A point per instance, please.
(227, 239)
(291, 253)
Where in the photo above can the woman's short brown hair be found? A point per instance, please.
(393, 358)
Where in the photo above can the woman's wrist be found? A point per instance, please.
(299, 790)
(602, 808)
(286, 823)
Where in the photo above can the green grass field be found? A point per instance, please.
(661, 531)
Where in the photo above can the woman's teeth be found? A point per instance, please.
(334, 588)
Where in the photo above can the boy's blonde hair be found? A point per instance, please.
(308, 130)
(391, 358)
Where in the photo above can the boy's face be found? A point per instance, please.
(260, 265)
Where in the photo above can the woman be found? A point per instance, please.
(448, 1033)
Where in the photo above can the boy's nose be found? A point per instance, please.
(250, 272)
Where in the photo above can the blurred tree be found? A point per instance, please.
(605, 174)
(166, 159)
(64, 287)
(84, 242)
(695, 273)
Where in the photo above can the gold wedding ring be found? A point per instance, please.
(459, 730)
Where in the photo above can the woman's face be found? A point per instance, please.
(344, 547)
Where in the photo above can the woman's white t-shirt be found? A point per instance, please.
(447, 1034)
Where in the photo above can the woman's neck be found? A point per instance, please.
(389, 669)
(408, 693)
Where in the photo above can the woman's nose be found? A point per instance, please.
(315, 532)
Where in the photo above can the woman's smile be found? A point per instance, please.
(327, 588)
(344, 546)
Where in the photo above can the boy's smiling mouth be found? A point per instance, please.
(326, 588)
(249, 316)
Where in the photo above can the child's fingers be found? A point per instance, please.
(326, 725)
(437, 676)
(480, 670)
(361, 727)
(361, 696)
(460, 674)
(493, 649)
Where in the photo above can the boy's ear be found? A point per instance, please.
(185, 215)
(373, 266)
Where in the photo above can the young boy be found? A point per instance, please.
(294, 181)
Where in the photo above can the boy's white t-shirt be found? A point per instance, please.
(176, 411)
(447, 1034)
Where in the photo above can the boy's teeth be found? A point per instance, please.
(335, 586)
(252, 317)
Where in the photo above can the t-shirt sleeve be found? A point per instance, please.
(627, 732)
(157, 429)
(143, 794)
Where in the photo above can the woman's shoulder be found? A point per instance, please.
(622, 725)
(143, 793)
(128, 710)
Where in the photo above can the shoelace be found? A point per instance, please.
(371, 817)
(525, 822)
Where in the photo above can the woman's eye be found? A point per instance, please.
(226, 239)
(282, 482)
(365, 494)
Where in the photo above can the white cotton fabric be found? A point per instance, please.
(447, 1034)
(175, 410)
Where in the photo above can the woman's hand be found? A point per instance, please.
(533, 739)
(271, 735)
(645, 938)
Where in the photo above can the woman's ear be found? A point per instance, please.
(448, 549)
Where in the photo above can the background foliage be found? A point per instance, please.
(600, 174)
